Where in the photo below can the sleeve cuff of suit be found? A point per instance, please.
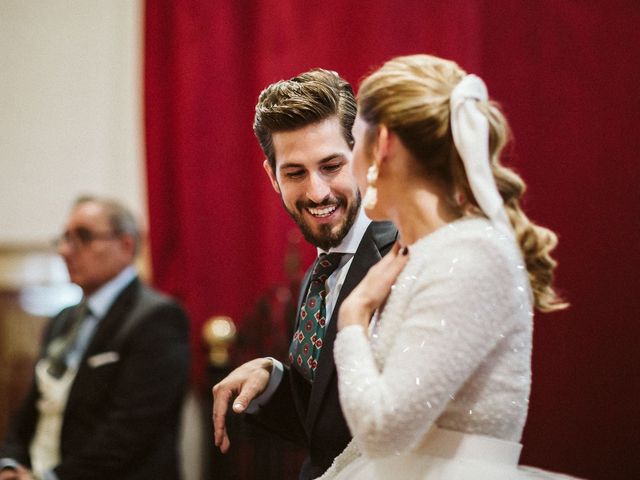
(8, 463)
(49, 475)
(11, 464)
(274, 380)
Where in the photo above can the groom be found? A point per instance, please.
(304, 128)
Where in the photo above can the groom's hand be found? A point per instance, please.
(245, 383)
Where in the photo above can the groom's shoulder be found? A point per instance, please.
(384, 234)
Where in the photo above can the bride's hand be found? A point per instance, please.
(373, 290)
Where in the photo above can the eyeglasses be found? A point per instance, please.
(82, 237)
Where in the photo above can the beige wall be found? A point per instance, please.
(70, 110)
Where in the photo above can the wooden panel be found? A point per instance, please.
(20, 335)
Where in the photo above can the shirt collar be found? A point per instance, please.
(352, 239)
(100, 301)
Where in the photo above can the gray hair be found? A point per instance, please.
(122, 220)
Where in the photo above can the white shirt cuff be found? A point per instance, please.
(274, 380)
(9, 463)
(50, 475)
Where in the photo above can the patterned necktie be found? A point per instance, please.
(307, 340)
(60, 346)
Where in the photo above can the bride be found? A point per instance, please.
(437, 385)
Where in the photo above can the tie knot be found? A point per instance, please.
(326, 265)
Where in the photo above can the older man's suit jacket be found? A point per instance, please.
(310, 414)
(123, 409)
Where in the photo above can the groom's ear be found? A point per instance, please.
(272, 175)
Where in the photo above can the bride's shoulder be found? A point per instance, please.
(470, 243)
(464, 232)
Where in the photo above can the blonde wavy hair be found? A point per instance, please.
(410, 96)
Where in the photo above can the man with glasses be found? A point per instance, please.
(108, 386)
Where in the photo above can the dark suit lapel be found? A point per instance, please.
(58, 326)
(114, 317)
(377, 239)
(303, 292)
(105, 332)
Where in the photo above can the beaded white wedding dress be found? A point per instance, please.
(438, 387)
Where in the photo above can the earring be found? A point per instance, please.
(371, 195)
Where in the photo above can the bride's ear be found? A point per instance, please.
(382, 143)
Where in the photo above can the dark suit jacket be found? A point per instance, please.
(121, 418)
(311, 415)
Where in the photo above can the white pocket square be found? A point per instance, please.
(103, 359)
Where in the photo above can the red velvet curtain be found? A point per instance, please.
(566, 73)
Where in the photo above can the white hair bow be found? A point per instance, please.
(470, 129)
